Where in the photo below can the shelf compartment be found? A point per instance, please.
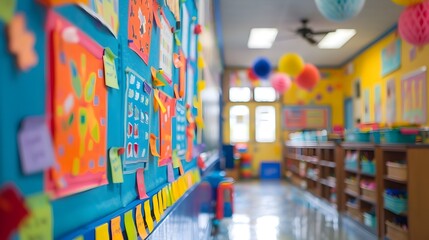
(325, 163)
(352, 193)
(388, 178)
(394, 231)
(328, 183)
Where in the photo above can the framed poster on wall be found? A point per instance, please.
(391, 57)
(414, 97)
(391, 101)
(306, 117)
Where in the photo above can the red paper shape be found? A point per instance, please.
(12, 210)
(141, 187)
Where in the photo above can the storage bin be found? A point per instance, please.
(352, 185)
(395, 232)
(351, 165)
(357, 136)
(375, 136)
(354, 212)
(368, 167)
(370, 220)
(398, 136)
(369, 193)
(397, 170)
(395, 205)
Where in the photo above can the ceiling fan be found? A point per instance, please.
(308, 34)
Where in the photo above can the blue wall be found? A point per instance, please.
(24, 94)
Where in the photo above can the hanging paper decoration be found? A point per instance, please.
(340, 10)
(198, 29)
(413, 24)
(291, 64)
(407, 2)
(251, 75)
(140, 21)
(308, 78)
(280, 82)
(262, 67)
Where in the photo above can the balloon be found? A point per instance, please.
(291, 64)
(280, 82)
(308, 78)
(251, 75)
(262, 67)
(407, 2)
(339, 11)
(413, 24)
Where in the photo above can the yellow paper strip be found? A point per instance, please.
(102, 232)
(160, 103)
(156, 207)
(148, 216)
(160, 203)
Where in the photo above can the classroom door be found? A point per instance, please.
(258, 125)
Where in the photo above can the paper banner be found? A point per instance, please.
(101, 232)
(7, 10)
(115, 228)
(110, 76)
(140, 21)
(138, 102)
(170, 172)
(140, 223)
(78, 110)
(153, 149)
(115, 165)
(148, 216)
(12, 210)
(35, 145)
(39, 224)
(130, 227)
(141, 187)
(156, 208)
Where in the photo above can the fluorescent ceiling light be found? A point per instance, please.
(262, 38)
(337, 39)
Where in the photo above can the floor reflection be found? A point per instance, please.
(276, 210)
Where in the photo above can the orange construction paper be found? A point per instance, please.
(182, 75)
(62, 2)
(156, 11)
(140, 223)
(115, 228)
(78, 108)
(165, 129)
(152, 143)
(140, 21)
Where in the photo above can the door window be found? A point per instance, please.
(265, 125)
(239, 124)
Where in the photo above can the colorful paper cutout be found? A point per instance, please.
(140, 21)
(170, 172)
(39, 224)
(164, 198)
(12, 210)
(110, 75)
(7, 10)
(166, 49)
(22, 42)
(35, 145)
(156, 208)
(141, 187)
(79, 110)
(182, 75)
(160, 203)
(140, 223)
(105, 11)
(115, 165)
(62, 2)
(153, 149)
(148, 216)
(190, 133)
(173, 5)
(130, 227)
(102, 232)
(138, 102)
(158, 100)
(115, 228)
(165, 128)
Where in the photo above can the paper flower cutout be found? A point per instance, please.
(21, 43)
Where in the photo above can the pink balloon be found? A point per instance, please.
(413, 25)
(308, 78)
(280, 82)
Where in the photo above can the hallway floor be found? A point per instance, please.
(276, 210)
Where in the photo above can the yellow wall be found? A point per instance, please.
(330, 90)
(367, 67)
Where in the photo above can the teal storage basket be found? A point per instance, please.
(370, 220)
(397, 136)
(395, 205)
(375, 137)
(357, 136)
(351, 165)
(368, 167)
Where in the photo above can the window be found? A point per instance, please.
(265, 125)
(239, 124)
(239, 94)
(265, 94)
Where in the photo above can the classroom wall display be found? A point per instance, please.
(378, 110)
(391, 57)
(414, 97)
(391, 101)
(78, 106)
(138, 102)
(166, 49)
(106, 11)
(140, 22)
(165, 128)
(306, 117)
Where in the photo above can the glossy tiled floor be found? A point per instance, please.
(276, 210)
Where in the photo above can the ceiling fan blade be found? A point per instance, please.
(311, 40)
(322, 32)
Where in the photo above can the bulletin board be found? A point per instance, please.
(98, 119)
(306, 117)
